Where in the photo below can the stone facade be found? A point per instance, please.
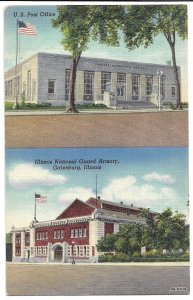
(42, 79)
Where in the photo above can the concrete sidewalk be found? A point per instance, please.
(82, 112)
(129, 264)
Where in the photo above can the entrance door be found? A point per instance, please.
(58, 253)
(121, 86)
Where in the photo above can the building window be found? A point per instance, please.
(88, 86)
(135, 87)
(29, 85)
(10, 91)
(6, 90)
(80, 232)
(108, 228)
(51, 86)
(162, 87)
(76, 232)
(67, 81)
(121, 81)
(173, 91)
(149, 85)
(27, 239)
(18, 239)
(41, 251)
(9, 88)
(42, 235)
(18, 251)
(72, 232)
(105, 78)
(84, 232)
(58, 234)
(34, 88)
(24, 89)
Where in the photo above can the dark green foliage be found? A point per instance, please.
(143, 22)
(167, 231)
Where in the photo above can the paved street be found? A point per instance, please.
(136, 129)
(99, 279)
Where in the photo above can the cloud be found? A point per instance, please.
(71, 194)
(160, 178)
(127, 189)
(25, 175)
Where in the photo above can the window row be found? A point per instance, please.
(41, 251)
(43, 235)
(27, 239)
(18, 239)
(106, 83)
(59, 234)
(78, 232)
(17, 251)
(78, 250)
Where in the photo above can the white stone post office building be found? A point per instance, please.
(44, 78)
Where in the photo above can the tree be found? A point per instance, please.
(142, 23)
(149, 235)
(171, 231)
(81, 23)
(107, 243)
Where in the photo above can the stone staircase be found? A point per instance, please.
(135, 105)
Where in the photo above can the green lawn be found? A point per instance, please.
(9, 107)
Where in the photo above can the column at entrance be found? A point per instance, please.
(128, 87)
(13, 244)
(22, 244)
(143, 88)
(79, 86)
(97, 86)
(65, 252)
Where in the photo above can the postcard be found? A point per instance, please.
(96, 166)
(103, 207)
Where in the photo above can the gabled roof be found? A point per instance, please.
(77, 208)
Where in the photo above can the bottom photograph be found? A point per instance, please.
(97, 221)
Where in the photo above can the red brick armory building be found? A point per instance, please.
(73, 235)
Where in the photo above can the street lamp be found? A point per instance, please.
(73, 245)
(159, 73)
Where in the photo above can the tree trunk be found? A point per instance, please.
(71, 97)
(177, 82)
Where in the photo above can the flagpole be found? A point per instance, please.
(16, 58)
(96, 190)
(35, 209)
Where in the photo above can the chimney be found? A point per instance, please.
(131, 204)
(168, 63)
(98, 197)
(121, 202)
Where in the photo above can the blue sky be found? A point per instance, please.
(48, 40)
(146, 177)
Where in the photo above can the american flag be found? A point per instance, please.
(26, 28)
(41, 199)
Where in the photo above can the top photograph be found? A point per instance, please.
(95, 58)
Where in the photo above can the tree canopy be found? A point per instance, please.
(81, 23)
(142, 23)
(165, 231)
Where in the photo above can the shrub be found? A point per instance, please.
(121, 257)
(136, 254)
(106, 258)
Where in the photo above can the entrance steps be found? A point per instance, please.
(135, 105)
